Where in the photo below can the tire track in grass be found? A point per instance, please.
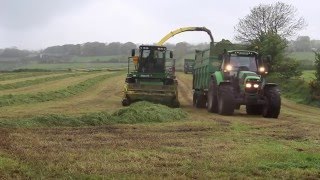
(185, 89)
(50, 85)
(9, 100)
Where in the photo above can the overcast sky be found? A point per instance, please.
(37, 24)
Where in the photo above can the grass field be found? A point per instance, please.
(80, 65)
(76, 62)
(308, 75)
(79, 130)
(86, 59)
(302, 56)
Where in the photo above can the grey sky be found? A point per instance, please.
(36, 24)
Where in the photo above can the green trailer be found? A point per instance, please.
(222, 83)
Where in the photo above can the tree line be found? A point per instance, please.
(97, 49)
(303, 44)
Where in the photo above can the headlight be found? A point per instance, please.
(228, 67)
(262, 69)
(256, 85)
(248, 85)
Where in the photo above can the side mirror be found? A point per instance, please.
(133, 52)
(171, 54)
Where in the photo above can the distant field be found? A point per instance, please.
(63, 66)
(6, 66)
(308, 75)
(91, 62)
(97, 58)
(302, 56)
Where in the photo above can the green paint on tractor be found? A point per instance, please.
(151, 77)
(222, 83)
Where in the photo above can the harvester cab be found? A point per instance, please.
(151, 77)
(153, 59)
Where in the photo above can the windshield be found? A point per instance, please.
(153, 61)
(246, 62)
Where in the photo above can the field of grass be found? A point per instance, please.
(302, 56)
(86, 59)
(308, 75)
(80, 65)
(77, 62)
(80, 131)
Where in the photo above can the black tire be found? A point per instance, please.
(194, 99)
(175, 103)
(226, 100)
(273, 105)
(254, 109)
(201, 101)
(125, 102)
(212, 98)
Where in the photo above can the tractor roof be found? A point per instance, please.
(152, 47)
(243, 52)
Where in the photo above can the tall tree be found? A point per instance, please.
(181, 50)
(278, 18)
(126, 47)
(303, 44)
(267, 26)
(114, 48)
(222, 45)
(315, 83)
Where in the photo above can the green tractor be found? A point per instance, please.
(151, 77)
(224, 83)
(188, 66)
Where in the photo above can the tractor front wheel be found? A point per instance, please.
(273, 105)
(212, 105)
(225, 100)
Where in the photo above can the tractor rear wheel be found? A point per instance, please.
(254, 109)
(194, 99)
(273, 105)
(212, 98)
(201, 101)
(225, 100)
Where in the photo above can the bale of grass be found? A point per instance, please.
(148, 112)
(140, 112)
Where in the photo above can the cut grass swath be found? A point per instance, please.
(8, 100)
(17, 75)
(37, 81)
(140, 112)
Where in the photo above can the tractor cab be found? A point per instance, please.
(152, 59)
(242, 60)
(151, 77)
